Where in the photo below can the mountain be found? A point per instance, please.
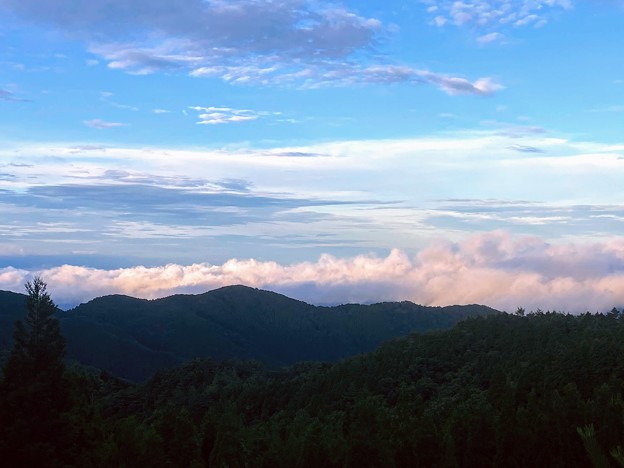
(543, 390)
(12, 308)
(133, 338)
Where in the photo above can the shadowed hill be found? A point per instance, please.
(12, 308)
(133, 338)
(543, 390)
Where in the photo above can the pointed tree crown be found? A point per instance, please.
(38, 344)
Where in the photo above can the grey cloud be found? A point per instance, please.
(168, 223)
(237, 185)
(185, 206)
(269, 42)
(293, 27)
(141, 61)
(527, 217)
(47, 261)
(525, 149)
(455, 85)
(146, 179)
(349, 75)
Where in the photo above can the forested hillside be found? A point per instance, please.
(133, 338)
(496, 391)
(502, 390)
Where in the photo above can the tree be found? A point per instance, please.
(38, 345)
(34, 392)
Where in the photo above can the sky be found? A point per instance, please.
(443, 152)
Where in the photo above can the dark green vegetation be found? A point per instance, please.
(133, 338)
(543, 389)
(35, 392)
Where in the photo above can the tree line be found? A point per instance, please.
(536, 389)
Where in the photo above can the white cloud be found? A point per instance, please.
(440, 21)
(456, 86)
(102, 124)
(224, 115)
(490, 38)
(493, 268)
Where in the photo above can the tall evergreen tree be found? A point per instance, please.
(34, 393)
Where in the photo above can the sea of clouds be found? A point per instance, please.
(495, 269)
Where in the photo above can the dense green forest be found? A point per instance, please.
(133, 338)
(541, 389)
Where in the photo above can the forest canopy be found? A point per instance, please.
(532, 389)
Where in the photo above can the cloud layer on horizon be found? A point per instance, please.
(494, 268)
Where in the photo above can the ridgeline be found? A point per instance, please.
(133, 338)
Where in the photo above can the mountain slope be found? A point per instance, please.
(503, 390)
(12, 308)
(133, 338)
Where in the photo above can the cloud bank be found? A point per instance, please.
(297, 202)
(494, 268)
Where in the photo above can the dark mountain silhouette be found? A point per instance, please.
(133, 338)
(12, 308)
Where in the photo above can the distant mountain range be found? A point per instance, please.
(133, 338)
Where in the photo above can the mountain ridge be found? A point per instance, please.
(133, 338)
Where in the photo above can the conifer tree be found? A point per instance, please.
(34, 391)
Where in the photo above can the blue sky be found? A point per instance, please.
(278, 136)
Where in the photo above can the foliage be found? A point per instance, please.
(35, 393)
(134, 338)
(539, 389)
(504, 390)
